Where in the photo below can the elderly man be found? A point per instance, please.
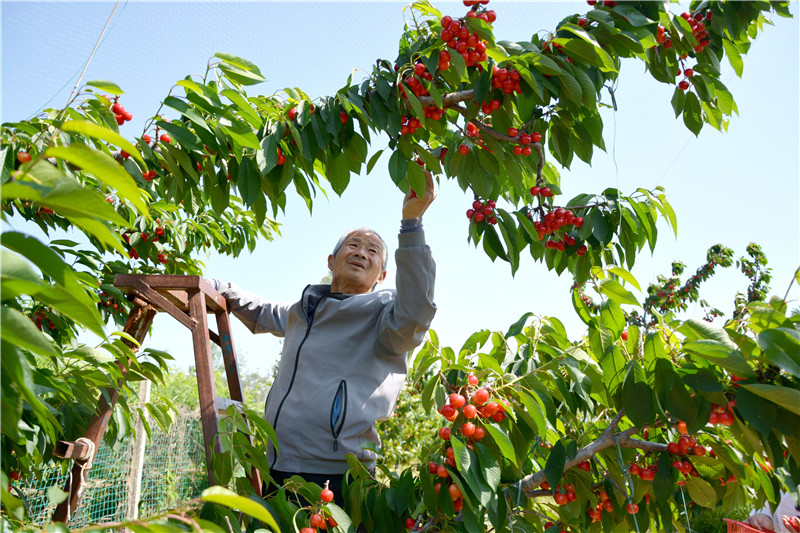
(344, 354)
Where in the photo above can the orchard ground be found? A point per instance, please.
(731, 188)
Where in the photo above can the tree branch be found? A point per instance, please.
(502, 137)
(607, 439)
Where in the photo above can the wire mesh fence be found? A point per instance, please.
(174, 471)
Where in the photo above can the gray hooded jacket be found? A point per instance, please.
(344, 360)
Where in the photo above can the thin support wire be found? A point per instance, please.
(628, 479)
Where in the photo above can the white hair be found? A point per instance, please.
(343, 238)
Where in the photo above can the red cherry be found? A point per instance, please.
(683, 85)
(624, 335)
(526, 151)
(326, 495)
(634, 469)
(583, 21)
(470, 411)
(673, 448)
(632, 508)
(472, 379)
(146, 138)
(457, 400)
(444, 433)
(316, 520)
(513, 132)
(463, 149)
(536, 136)
(127, 115)
(479, 216)
(517, 150)
(442, 471)
(492, 220)
(23, 157)
(410, 523)
(688, 73)
(292, 113)
(470, 212)
(546, 192)
(120, 120)
(480, 397)
(479, 433)
(699, 450)
(165, 138)
(535, 191)
(525, 138)
(455, 493)
(343, 117)
(491, 16)
(448, 411)
(117, 109)
(560, 498)
(446, 20)
(578, 222)
(432, 467)
(308, 530)
(468, 429)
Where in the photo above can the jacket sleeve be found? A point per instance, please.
(258, 314)
(405, 320)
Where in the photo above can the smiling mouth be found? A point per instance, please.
(358, 264)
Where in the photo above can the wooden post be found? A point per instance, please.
(207, 390)
(137, 455)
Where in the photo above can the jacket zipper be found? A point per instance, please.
(294, 371)
(338, 413)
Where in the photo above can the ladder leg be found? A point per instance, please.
(139, 321)
(234, 382)
(205, 377)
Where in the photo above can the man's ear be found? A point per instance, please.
(381, 277)
(331, 259)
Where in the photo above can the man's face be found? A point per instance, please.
(358, 265)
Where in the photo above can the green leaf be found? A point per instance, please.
(516, 327)
(19, 330)
(106, 86)
(223, 496)
(500, 438)
(719, 354)
(461, 454)
(489, 467)
(55, 495)
(237, 61)
(554, 467)
(782, 348)
(757, 411)
(783, 396)
(638, 400)
(734, 58)
(241, 76)
(18, 278)
(693, 113)
(104, 168)
(94, 130)
(398, 167)
(624, 274)
(373, 160)
(615, 291)
(701, 491)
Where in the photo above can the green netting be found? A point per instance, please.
(174, 472)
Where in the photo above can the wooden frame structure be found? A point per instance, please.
(188, 299)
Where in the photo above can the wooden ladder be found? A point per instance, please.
(188, 299)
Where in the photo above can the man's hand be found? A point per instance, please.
(792, 523)
(759, 521)
(414, 206)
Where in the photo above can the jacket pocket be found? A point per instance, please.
(338, 413)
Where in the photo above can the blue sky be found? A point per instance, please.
(730, 188)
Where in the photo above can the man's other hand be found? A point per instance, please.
(413, 205)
